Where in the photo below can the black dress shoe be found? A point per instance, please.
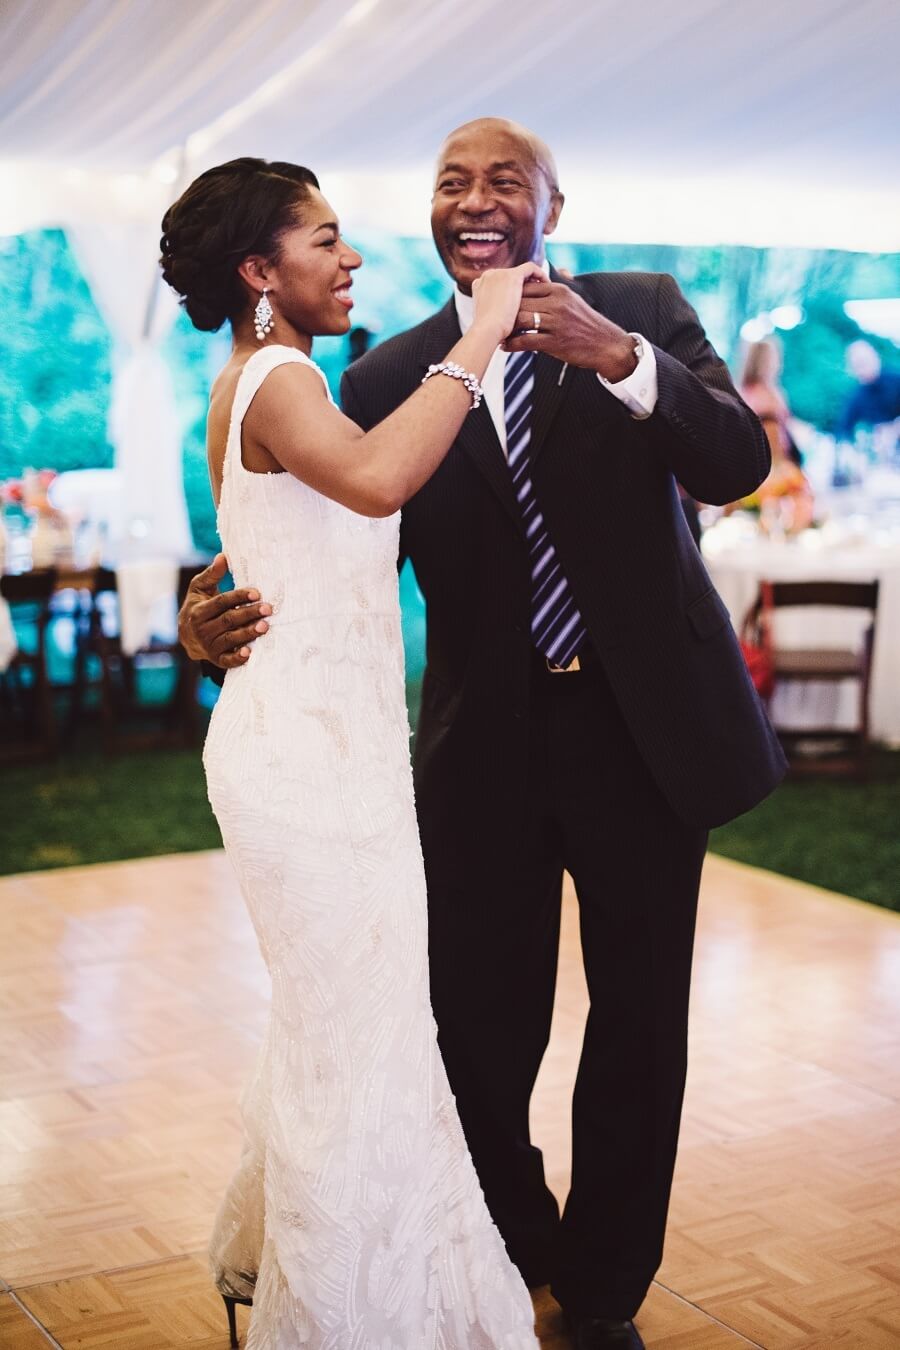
(599, 1333)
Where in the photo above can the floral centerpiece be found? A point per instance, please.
(784, 500)
(35, 487)
(11, 504)
(28, 499)
(12, 496)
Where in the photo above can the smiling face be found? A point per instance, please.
(309, 281)
(495, 198)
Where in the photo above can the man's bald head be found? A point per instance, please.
(533, 146)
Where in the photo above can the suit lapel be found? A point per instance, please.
(477, 436)
(550, 378)
(479, 439)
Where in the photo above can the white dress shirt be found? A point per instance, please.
(638, 391)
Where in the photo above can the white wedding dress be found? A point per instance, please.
(355, 1219)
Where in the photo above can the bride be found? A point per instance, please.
(355, 1220)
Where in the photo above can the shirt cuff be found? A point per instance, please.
(639, 390)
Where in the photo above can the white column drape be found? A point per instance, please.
(119, 262)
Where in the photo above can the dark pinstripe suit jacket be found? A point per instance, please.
(606, 484)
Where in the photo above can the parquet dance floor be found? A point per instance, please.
(132, 998)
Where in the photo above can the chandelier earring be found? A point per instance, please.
(263, 316)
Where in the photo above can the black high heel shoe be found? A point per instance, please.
(230, 1301)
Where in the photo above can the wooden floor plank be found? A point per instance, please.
(133, 999)
(164, 1305)
(666, 1322)
(17, 1331)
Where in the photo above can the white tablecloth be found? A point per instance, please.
(737, 566)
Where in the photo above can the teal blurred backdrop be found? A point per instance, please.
(56, 355)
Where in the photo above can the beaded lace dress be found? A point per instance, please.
(355, 1219)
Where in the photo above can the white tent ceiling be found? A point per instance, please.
(705, 120)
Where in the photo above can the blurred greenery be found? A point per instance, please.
(56, 355)
(816, 384)
(55, 359)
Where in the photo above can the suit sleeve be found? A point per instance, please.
(713, 443)
(353, 399)
(353, 405)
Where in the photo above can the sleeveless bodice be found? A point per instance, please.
(310, 557)
(322, 698)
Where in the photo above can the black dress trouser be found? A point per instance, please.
(593, 809)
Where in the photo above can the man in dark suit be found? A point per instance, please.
(585, 708)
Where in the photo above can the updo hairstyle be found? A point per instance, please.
(236, 209)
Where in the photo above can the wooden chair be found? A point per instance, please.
(826, 664)
(26, 697)
(127, 724)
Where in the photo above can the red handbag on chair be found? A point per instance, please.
(756, 642)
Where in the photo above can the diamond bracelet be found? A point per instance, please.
(456, 372)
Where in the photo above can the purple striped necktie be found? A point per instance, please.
(557, 628)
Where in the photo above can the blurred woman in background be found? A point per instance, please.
(785, 499)
(760, 388)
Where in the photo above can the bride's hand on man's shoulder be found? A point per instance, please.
(219, 626)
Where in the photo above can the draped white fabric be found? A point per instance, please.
(146, 592)
(117, 82)
(120, 265)
(146, 434)
(697, 122)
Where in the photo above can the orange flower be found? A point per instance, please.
(11, 493)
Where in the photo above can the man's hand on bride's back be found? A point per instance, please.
(498, 293)
(218, 626)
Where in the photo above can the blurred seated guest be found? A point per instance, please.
(785, 499)
(876, 398)
(360, 340)
(760, 389)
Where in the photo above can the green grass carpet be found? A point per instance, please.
(844, 836)
(85, 809)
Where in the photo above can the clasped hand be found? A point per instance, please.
(571, 331)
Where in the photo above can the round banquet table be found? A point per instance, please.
(738, 560)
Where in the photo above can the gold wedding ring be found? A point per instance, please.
(537, 322)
